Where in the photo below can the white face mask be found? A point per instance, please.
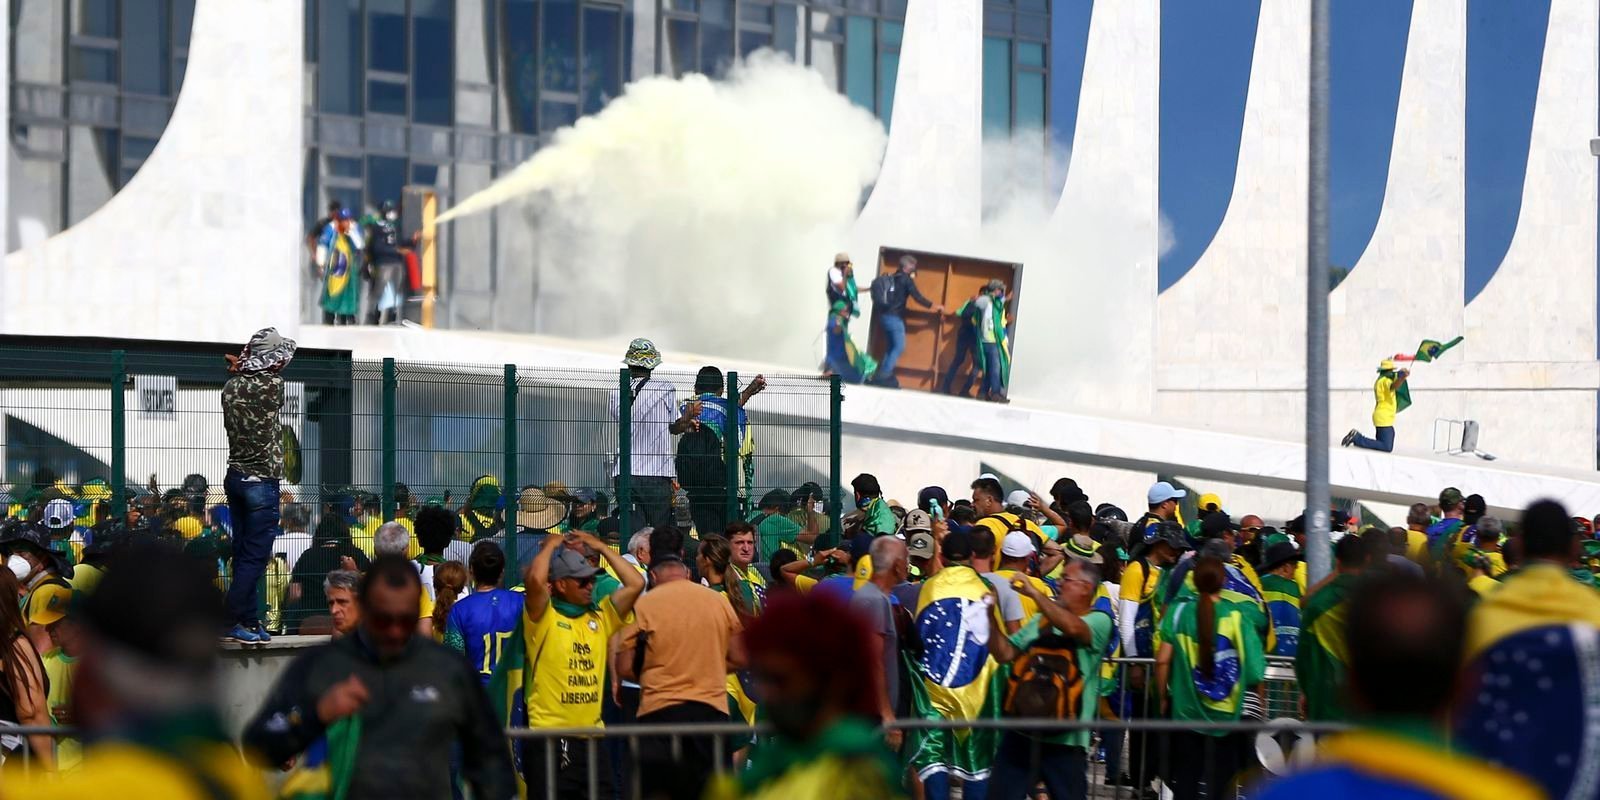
(817, 506)
(19, 566)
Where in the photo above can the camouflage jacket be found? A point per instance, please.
(250, 404)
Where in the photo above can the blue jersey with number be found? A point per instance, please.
(484, 621)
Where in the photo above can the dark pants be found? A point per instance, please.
(1197, 758)
(1384, 442)
(651, 499)
(993, 386)
(253, 505)
(966, 348)
(1144, 747)
(1022, 763)
(571, 759)
(708, 505)
(684, 777)
(1112, 739)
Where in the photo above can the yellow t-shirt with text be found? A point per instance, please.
(568, 658)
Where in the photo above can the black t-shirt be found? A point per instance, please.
(310, 571)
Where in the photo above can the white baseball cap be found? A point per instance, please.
(58, 514)
(1019, 498)
(1161, 492)
(1017, 545)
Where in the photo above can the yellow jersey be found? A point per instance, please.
(1387, 405)
(568, 664)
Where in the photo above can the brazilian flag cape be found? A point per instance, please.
(1533, 692)
(954, 677)
(997, 321)
(1322, 657)
(508, 691)
(1397, 758)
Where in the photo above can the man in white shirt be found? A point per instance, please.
(294, 540)
(655, 420)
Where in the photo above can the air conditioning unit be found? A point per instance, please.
(1458, 437)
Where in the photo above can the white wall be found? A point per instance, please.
(204, 242)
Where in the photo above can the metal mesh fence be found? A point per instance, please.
(505, 448)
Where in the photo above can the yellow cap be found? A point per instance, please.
(48, 604)
(1208, 500)
(863, 572)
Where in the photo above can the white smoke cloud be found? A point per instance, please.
(697, 212)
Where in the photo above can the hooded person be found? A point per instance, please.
(480, 516)
(251, 399)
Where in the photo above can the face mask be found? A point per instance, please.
(817, 506)
(19, 566)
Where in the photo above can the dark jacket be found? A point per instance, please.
(420, 702)
(896, 290)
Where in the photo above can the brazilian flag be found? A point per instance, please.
(324, 772)
(954, 677)
(1430, 350)
(508, 692)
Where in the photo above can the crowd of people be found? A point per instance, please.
(364, 267)
(1458, 650)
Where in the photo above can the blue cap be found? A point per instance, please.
(1161, 492)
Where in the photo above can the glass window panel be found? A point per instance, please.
(386, 35)
(560, 38)
(554, 115)
(996, 86)
(602, 48)
(520, 80)
(98, 18)
(433, 61)
(869, 6)
(1030, 101)
(347, 197)
(108, 141)
(1030, 54)
(146, 53)
(786, 30)
(344, 166)
(339, 86)
(137, 148)
(424, 174)
(1036, 6)
(96, 64)
(127, 173)
(859, 59)
(752, 12)
(888, 71)
(891, 33)
(684, 5)
(183, 18)
(894, 9)
(823, 22)
(828, 58)
(683, 55)
(384, 97)
(997, 21)
(386, 177)
(1033, 26)
(716, 36)
(751, 41)
(309, 28)
(180, 65)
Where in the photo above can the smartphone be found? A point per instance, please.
(935, 509)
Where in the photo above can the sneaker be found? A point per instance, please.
(261, 634)
(242, 635)
(1349, 438)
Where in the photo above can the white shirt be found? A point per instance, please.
(292, 544)
(655, 408)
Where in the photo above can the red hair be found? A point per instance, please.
(827, 640)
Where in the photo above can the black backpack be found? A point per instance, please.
(880, 290)
(1045, 682)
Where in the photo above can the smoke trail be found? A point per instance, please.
(702, 213)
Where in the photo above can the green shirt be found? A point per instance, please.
(604, 585)
(1319, 664)
(881, 520)
(1089, 655)
(1238, 661)
(775, 533)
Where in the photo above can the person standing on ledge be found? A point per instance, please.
(1389, 391)
(250, 403)
(890, 295)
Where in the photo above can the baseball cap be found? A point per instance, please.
(48, 604)
(920, 544)
(841, 258)
(1018, 498)
(916, 521)
(1450, 497)
(1161, 492)
(1209, 501)
(583, 495)
(568, 564)
(1278, 553)
(1215, 524)
(58, 514)
(1017, 545)
(1109, 511)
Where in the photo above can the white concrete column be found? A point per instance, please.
(204, 242)
(1408, 284)
(1540, 305)
(931, 184)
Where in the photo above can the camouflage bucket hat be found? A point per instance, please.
(642, 353)
(267, 350)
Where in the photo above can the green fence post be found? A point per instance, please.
(730, 447)
(119, 436)
(391, 386)
(835, 470)
(509, 486)
(625, 451)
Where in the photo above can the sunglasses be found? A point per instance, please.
(1253, 529)
(589, 581)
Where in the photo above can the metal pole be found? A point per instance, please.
(1317, 495)
(730, 448)
(625, 452)
(119, 436)
(509, 425)
(390, 385)
(835, 436)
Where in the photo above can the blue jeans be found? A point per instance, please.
(937, 787)
(992, 385)
(894, 329)
(1384, 442)
(1022, 763)
(254, 507)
